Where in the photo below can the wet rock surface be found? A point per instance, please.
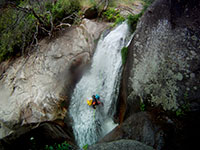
(34, 89)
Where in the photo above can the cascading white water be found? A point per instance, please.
(102, 79)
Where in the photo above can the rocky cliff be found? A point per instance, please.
(36, 88)
(163, 59)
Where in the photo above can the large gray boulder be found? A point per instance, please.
(163, 60)
(140, 127)
(120, 145)
(162, 70)
(33, 88)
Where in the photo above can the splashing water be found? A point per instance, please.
(103, 79)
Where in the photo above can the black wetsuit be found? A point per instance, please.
(94, 102)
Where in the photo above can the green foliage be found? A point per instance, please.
(185, 96)
(62, 146)
(142, 106)
(185, 107)
(85, 147)
(113, 15)
(119, 20)
(93, 3)
(132, 21)
(179, 112)
(17, 27)
(60, 8)
(124, 53)
(64, 8)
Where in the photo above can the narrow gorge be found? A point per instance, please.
(142, 57)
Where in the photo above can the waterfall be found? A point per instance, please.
(103, 79)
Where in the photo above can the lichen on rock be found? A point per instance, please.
(152, 74)
(163, 58)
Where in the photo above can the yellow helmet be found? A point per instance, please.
(89, 102)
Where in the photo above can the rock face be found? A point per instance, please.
(33, 88)
(162, 70)
(134, 8)
(138, 127)
(121, 144)
(163, 60)
(35, 136)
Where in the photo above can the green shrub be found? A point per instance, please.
(124, 53)
(119, 20)
(62, 146)
(64, 8)
(185, 107)
(93, 3)
(132, 21)
(16, 30)
(179, 112)
(142, 106)
(110, 14)
(113, 15)
(85, 147)
(18, 26)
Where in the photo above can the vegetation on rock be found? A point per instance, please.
(62, 146)
(113, 15)
(22, 23)
(124, 53)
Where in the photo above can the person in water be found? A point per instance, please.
(95, 101)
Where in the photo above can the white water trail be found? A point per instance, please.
(103, 79)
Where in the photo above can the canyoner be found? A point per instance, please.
(94, 101)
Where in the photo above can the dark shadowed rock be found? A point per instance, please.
(137, 127)
(35, 136)
(120, 144)
(91, 13)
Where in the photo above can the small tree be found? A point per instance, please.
(23, 22)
